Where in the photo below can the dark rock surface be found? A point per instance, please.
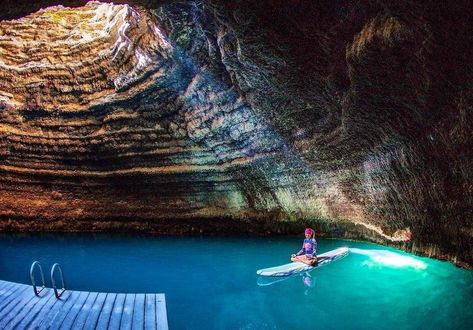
(217, 116)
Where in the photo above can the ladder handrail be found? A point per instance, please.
(53, 281)
(33, 281)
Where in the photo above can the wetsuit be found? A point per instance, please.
(309, 248)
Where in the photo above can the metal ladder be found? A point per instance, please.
(33, 282)
(57, 293)
(53, 281)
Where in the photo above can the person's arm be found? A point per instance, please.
(315, 249)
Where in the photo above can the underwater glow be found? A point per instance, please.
(389, 258)
(202, 290)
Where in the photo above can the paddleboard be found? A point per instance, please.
(299, 267)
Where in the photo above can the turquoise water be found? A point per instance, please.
(210, 283)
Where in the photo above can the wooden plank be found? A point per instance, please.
(161, 313)
(49, 311)
(5, 295)
(4, 284)
(84, 312)
(6, 290)
(150, 311)
(21, 309)
(106, 313)
(127, 314)
(139, 312)
(30, 311)
(95, 311)
(76, 297)
(117, 312)
(75, 310)
(13, 294)
(17, 303)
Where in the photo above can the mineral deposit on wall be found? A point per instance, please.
(250, 116)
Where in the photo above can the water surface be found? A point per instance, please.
(210, 283)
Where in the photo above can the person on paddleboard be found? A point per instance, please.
(308, 253)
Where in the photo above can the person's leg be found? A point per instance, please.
(320, 259)
(304, 259)
(313, 261)
(309, 261)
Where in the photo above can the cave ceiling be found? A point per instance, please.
(353, 117)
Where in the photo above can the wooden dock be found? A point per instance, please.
(21, 309)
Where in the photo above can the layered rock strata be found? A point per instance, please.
(241, 116)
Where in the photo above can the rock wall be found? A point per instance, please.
(216, 116)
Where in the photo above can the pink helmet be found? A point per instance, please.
(308, 231)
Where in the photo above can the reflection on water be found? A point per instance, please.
(376, 258)
(307, 280)
(401, 292)
(309, 283)
(389, 258)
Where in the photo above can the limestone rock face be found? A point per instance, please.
(241, 116)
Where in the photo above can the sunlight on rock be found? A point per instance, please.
(250, 116)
